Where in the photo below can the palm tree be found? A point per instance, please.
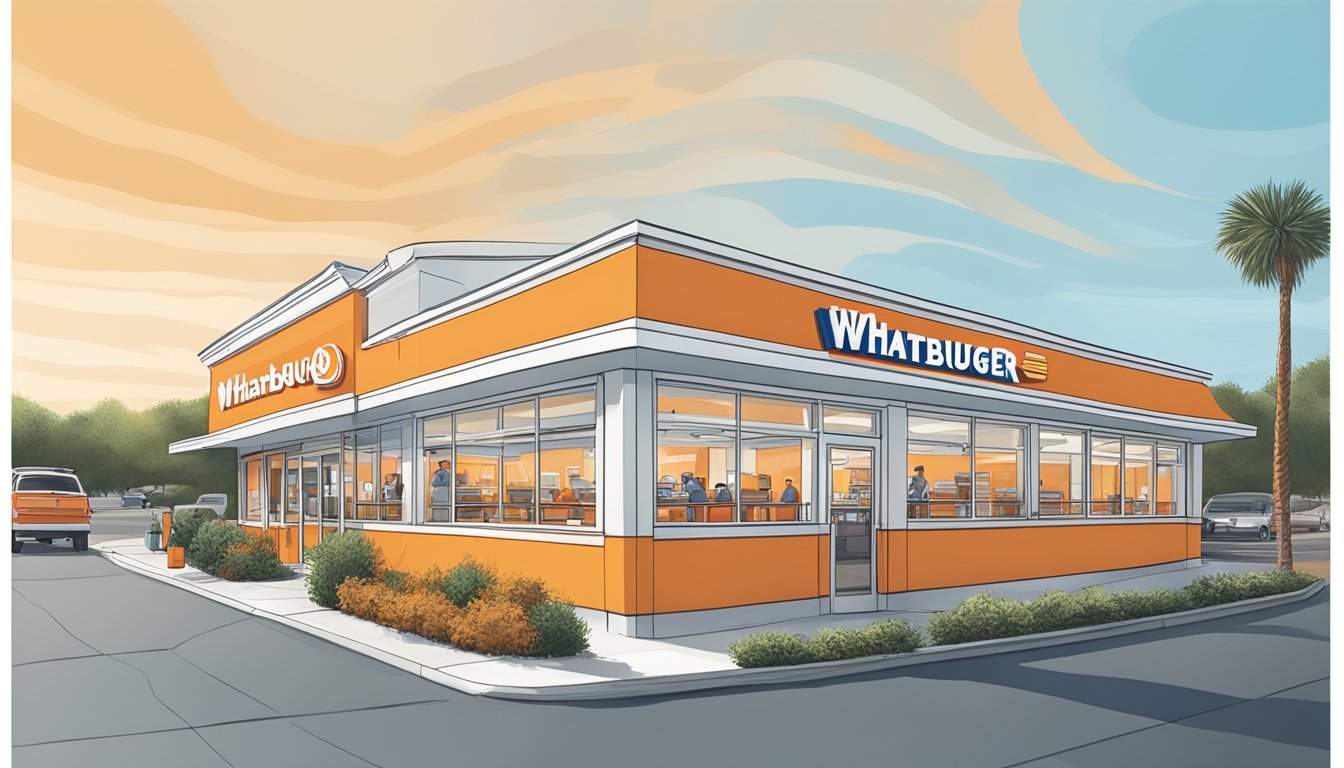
(1273, 234)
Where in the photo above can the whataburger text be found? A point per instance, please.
(324, 367)
(860, 333)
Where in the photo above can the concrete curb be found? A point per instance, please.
(743, 678)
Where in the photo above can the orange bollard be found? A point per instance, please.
(167, 517)
(177, 557)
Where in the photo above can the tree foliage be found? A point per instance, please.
(1247, 465)
(114, 448)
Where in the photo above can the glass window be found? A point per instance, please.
(776, 484)
(999, 469)
(438, 455)
(275, 486)
(391, 486)
(1060, 469)
(939, 460)
(849, 421)
(683, 404)
(567, 473)
(366, 475)
(292, 504)
(519, 452)
(479, 445)
(1138, 487)
(769, 412)
(252, 506)
(1170, 480)
(1105, 479)
(696, 475)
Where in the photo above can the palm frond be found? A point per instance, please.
(1269, 227)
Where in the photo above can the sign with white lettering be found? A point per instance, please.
(848, 330)
(324, 368)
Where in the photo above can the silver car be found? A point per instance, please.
(1311, 514)
(1240, 514)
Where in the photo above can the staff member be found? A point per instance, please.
(790, 494)
(438, 493)
(695, 494)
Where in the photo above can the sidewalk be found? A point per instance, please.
(614, 666)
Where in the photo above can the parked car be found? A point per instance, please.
(1309, 514)
(215, 502)
(1240, 514)
(135, 501)
(48, 503)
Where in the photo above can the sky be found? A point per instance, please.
(178, 165)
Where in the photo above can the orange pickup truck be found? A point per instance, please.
(49, 503)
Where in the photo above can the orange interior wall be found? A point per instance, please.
(959, 557)
(698, 574)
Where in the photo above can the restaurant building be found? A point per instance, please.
(679, 435)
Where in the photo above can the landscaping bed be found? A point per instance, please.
(469, 606)
(986, 617)
(221, 548)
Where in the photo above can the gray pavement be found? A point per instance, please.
(112, 668)
(117, 523)
(1307, 547)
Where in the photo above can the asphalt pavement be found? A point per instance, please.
(117, 523)
(112, 668)
(1306, 547)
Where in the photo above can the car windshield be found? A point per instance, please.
(1237, 508)
(58, 483)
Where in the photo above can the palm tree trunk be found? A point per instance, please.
(1283, 381)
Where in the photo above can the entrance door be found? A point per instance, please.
(310, 500)
(851, 491)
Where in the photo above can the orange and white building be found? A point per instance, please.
(679, 435)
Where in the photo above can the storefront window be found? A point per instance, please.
(526, 462)
(939, 461)
(1105, 476)
(567, 475)
(999, 470)
(293, 502)
(391, 487)
(1170, 480)
(1060, 469)
(1138, 486)
(252, 506)
(704, 406)
(696, 475)
(777, 477)
(479, 446)
(773, 413)
(438, 453)
(849, 421)
(275, 487)
(367, 486)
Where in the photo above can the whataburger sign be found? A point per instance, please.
(324, 368)
(860, 333)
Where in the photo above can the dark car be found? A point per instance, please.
(135, 501)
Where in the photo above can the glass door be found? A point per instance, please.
(850, 495)
(310, 501)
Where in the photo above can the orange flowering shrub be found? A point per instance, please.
(410, 611)
(524, 591)
(361, 597)
(494, 626)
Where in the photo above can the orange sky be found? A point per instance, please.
(178, 165)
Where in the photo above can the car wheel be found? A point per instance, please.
(1325, 526)
(16, 546)
(45, 541)
(80, 542)
(1264, 533)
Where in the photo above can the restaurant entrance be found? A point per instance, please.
(850, 500)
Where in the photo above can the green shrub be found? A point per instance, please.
(212, 542)
(347, 555)
(185, 527)
(1133, 604)
(893, 636)
(252, 560)
(1054, 611)
(770, 649)
(395, 580)
(560, 631)
(1229, 587)
(980, 617)
(779, 649)
(466, 581)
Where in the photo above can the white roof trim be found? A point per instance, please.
(341, 405)
(331, 283)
